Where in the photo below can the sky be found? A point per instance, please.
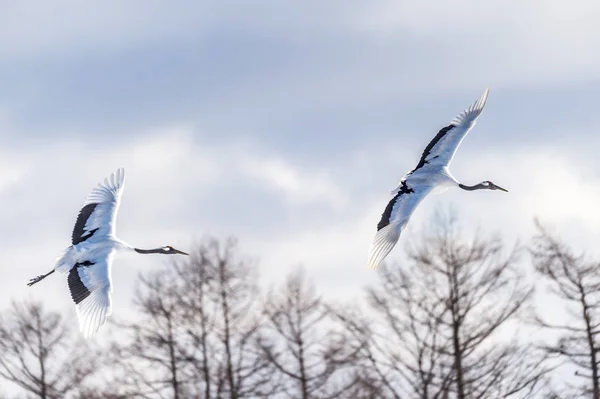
(286, 124)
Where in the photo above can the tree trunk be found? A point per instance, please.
(454, 299)
(591, 343)
(226, 338)
(42, 360)
(174, 380)
(204, 338)
(303, 382)
(460, 384)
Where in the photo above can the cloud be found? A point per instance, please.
(508, 44)
(558, 187)
(295, 185)
(344, 75)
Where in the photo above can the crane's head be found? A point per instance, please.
(169, 250)
(491, 186)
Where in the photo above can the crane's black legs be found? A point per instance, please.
(39, 278)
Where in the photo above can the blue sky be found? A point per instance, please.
(287, 125)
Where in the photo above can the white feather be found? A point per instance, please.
(443, 151)
(403, 208)
(93, 311)
(383, 243)
(107, 196)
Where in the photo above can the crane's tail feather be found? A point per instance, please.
(66, 260)
(470, 114)
(384, 241)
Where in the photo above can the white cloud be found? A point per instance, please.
(295, 185)
(12, 169)
(499, 43)
(559, 187)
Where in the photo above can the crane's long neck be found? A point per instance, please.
(148, 251)
(472, 188)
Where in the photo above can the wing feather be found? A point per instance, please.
(98, 216)
(93, 312)
(90, 286)
(394, 218)
(442, 148)
(384, 242)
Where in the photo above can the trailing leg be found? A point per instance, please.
(37, 279)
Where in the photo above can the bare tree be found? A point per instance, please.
(37, 353)
(439, 321)
(197, 330)
(575, 280)
(237, 323)
(300, 341)
(151, 351)
(200, 311)
(399, 337)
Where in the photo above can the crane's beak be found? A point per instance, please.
(181, 252)
(500, 188)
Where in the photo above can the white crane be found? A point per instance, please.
(430, 173)
(89, 260)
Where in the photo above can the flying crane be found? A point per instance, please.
(430, 173)
(88, 260)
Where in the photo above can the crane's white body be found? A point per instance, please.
(87, 251)
(430, 176)
(438, 178)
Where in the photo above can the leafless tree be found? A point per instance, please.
(300, 341)
(150, 353)
(398, 335)
(38, 353)
(575, 280)
(197, 331)
(195, 300)
(363, 386)
(440, 319)
(237, 322)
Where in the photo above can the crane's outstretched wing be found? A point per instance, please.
(394, 218)
(98, 216)
(90, 286)
(442, 148)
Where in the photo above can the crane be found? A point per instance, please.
(431, 173)
(88, 261)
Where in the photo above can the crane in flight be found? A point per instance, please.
(88, 261)
(430, 173)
